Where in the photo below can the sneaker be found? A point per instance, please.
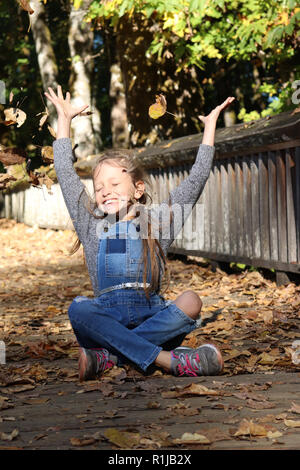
(205, 360)
(93, 362)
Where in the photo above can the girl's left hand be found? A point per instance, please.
(214, 114)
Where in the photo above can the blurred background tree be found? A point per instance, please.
(117, 55)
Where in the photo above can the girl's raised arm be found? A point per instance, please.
(72, 188)
(185, 195)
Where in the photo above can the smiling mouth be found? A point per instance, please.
(109, 201)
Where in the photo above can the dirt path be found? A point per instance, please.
(255, 404)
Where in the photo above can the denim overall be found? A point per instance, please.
(122, 319)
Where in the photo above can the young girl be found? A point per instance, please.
(128, 320)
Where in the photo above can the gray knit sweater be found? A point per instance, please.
(88, 228)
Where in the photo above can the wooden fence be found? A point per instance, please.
(249, 211)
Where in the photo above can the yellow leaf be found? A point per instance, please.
(125, 440)
(159, 108)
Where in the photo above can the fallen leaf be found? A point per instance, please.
(153, 405)
(295, 408)
(273, 435)
(248, 428)
(292, 424)
(9, 437)
(75, 441)
(122, 439)
(192, 389)
(189, 438)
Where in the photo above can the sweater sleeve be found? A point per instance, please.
(183, 198)
(73, 190)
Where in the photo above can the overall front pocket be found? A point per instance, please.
(116, 257)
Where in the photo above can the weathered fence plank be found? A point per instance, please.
(249, 211)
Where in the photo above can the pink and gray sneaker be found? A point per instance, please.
(188, 362)
(93, 362)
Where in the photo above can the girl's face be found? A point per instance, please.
(114, 188)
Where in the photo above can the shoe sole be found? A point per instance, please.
(82, 365)
(219, 355)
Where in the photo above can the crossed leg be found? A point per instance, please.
(190, 303)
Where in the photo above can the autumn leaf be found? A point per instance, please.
(192, 389)
(4, 179)
(43, 120)
(122, 439)
(292, 424)
(25, 5)
(12, 156)
(248, 428)
(75, 441)
(189, 438)
(14, 116)
(52, 131)
(295, 408)
(159, 108)
(9, 437)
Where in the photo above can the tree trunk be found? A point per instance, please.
(86, 130)
(45, 54)
(119, 123)
(145, 76)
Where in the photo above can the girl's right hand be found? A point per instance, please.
(63, 106)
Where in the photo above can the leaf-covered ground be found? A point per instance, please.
(255, 402)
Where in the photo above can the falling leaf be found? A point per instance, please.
(189, 438)
(47, 154)
(44, 179)
(159, 108)
(52, 131)
(4, 179)
(12, 156)
(15, 115)
(43, 120)
(25, 5)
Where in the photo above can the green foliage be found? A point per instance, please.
(195, 32)
(231, 28)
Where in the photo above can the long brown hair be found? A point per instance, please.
(128, 160)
